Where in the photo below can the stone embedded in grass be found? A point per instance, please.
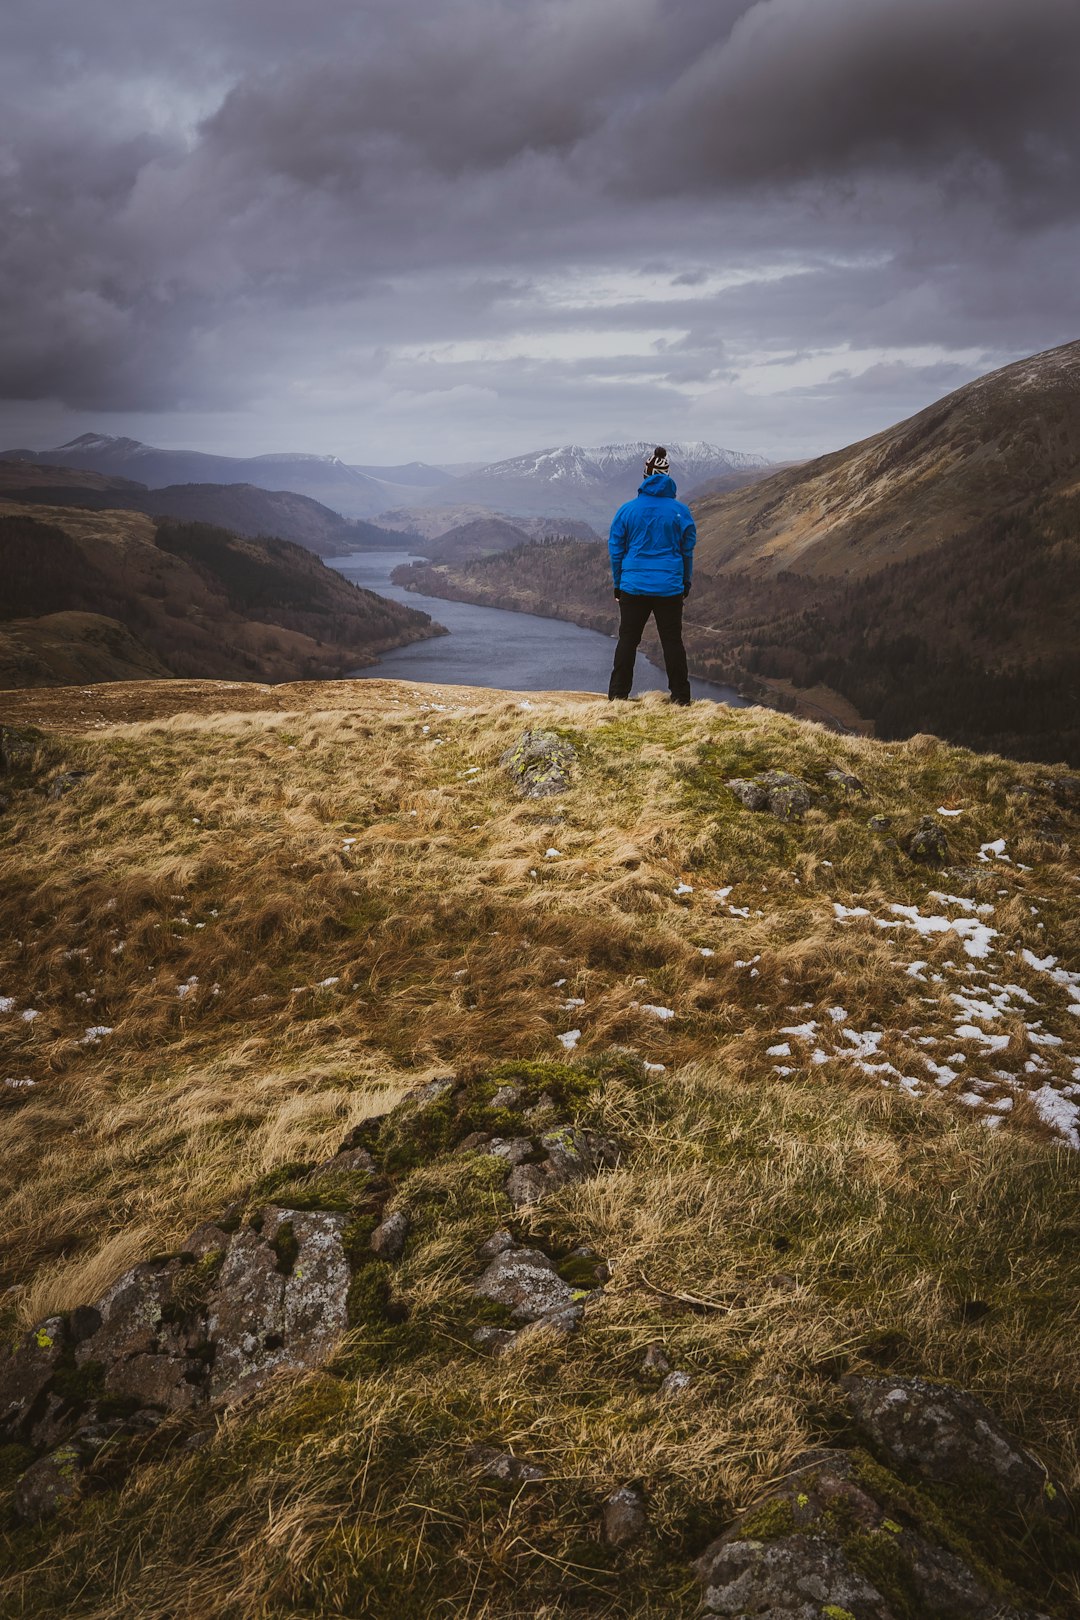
(505, 1467)
(496, 1244)
(655, 1362)
(539, 764)
(929, 843)
(388, 1238)
(497, 1341)
(262, 1320)
(949, 1437)
(49, 1484)
(514, 1149)
(844, 779)
(526, 1282)
(63, 784)
(624, 1519)
(506, 1097)
(839, 1539)
(572, 1155)
(26, 1372)
(784, 796)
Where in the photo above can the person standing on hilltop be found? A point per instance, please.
(651, 545)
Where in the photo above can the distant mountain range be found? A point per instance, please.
(241, 508)
(351, 491)
(565, 482)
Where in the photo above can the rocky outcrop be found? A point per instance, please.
(565, 1154)
(948, 1436)
(280, 1299)
(272, 1287)
(540, 763)
(784, 796)
(527, 1283)
(847, 1538)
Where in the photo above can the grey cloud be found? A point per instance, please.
(980, 94)
(218, 206)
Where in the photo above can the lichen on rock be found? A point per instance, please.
(540, 763)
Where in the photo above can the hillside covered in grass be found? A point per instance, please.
(111, 595)
(777, 1084)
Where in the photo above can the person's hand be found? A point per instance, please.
(618, 594)
(686, 592)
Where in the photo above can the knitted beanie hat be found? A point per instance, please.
(657, 462)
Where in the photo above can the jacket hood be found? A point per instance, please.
(658, 484)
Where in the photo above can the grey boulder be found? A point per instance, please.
(539, 764)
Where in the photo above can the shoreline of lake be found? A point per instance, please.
(497, 647)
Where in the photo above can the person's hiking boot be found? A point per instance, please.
(682, 702)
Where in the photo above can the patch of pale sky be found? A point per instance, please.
(615, 288)
(577, 344)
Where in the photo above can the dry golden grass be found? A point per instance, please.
(290, 905)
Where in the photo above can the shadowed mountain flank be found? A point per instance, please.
(114, 595)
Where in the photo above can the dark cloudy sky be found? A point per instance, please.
(466, 228)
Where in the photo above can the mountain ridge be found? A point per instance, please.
(568, 481)
(245, 509)
(961, 460)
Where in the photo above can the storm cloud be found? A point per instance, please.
(469, 229)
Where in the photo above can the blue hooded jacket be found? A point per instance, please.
(651, 543)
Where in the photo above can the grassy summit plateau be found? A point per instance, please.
(842, 1081)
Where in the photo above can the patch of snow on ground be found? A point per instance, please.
(663, 1013)
(972, 1032)
(1059, 1113)
(975, 936)
(865, 1042)
(782, 1050)
(570, 1039)
(801, 1032)
(994, 850)
(837, 1014)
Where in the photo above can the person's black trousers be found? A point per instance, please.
(633, 617)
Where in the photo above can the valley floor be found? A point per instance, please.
(843, 1081)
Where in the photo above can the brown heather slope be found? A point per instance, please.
(139, 597)
(262, 914)
(991, 445)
